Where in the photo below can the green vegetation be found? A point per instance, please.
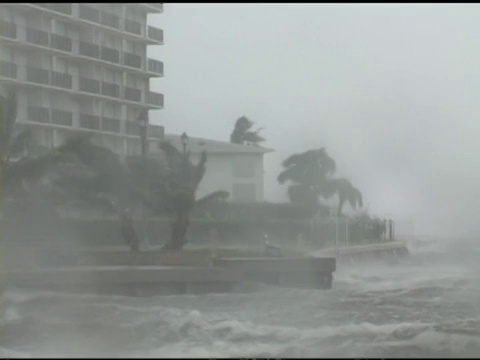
(311, 173)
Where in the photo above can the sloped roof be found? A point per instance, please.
(197, 145)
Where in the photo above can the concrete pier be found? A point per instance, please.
(124, 280)
(303, 272)
(366, 252)
(147, 273)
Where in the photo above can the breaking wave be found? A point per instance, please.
(416, 308)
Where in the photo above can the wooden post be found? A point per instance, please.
(336, 232)
(347, 232)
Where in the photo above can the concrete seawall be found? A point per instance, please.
(150, 273)
(366, 252)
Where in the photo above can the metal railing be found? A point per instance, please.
(109, 54)
(110, 124)
(60, 42)
(132, 26)
(88, 49)
(8, 69)
(89, 85)
(154, 98)
(38, 114)
(64, 8)
(156, 131)
(110, 89)
(88, 13)
(155, 33)
(155, 66)
(62, 117)
(36, 36)
(91, 122)
(37, 75)
(61, 80)
(132, 60)
(8, 29)
(132, 94)
(109, 20)
(132, 128)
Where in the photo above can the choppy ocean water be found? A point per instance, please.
(424, 305)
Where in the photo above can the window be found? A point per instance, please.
(243, 193)
(243, 168)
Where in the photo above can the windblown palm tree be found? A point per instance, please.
(17, 166)
(162, 187)
(308, 171)
(180, 187)
(97, 176)
(311, 172)
(346, 193)
(242, 134)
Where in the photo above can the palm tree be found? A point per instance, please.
(162, 187)
(346, 193)
(179, 191)
(18, 168)
(96, 175)
(311, 172)
(308, 171)
(242, 134)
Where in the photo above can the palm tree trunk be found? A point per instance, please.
(179, 232)
(340, 206)
(128, 230)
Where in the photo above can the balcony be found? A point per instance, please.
(110, 89)
(60, 42)
(61, 117)
(37, 37)
(155, 7)
(155, 66)
(156, 131)
(37, 75)
(154, 98)
(8, 69)
(132, 60)
(133, 27)
(8, 29)
(90, 122)
(88, 49)
(109, 20)
(61, 80)
(38, 114)
(89, 85)
(109, 54)
(132, 94)
(155, 34)
(110, 125)
(64, 8)
(132, 128)
(88, 13)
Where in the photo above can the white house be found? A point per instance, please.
(235, 168)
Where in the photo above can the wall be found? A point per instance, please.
(219, 175)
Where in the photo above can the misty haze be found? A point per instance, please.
(239, 180)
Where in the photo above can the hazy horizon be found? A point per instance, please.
(387, 89)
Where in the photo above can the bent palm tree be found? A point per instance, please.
(103, 180)
(308, 171)
(242, 134)
(346, 193)
(311, 173)
(17, 167)
(180, 189)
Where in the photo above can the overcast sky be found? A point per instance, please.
(390, 90)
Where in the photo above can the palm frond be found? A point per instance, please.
(220, 195)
